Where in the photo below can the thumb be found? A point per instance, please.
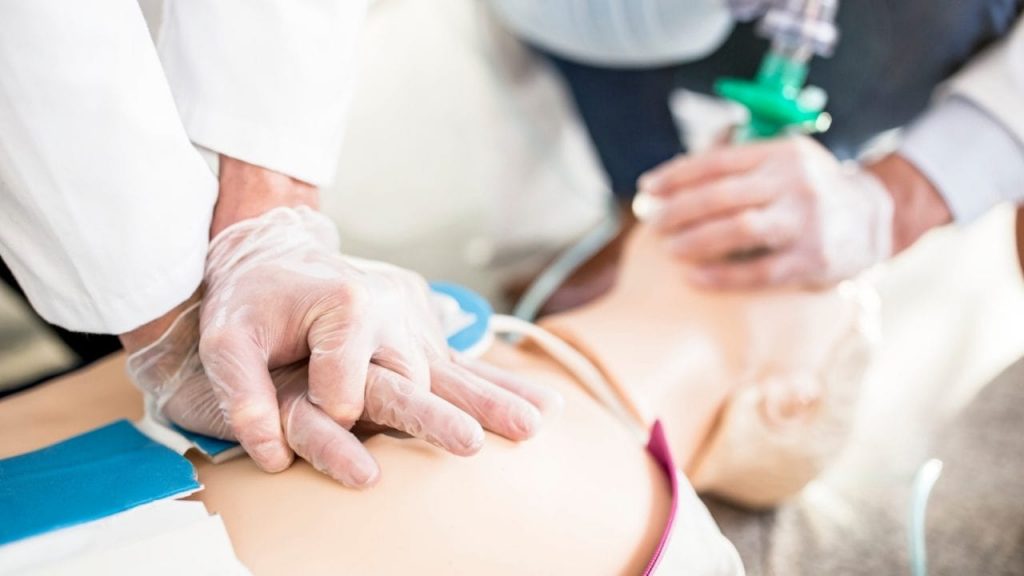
(248, 401)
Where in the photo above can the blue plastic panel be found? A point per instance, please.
(88, 477)
(472, 303)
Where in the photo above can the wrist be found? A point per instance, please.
(248, 191)
(151, 331)
(917, 205)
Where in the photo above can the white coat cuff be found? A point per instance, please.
(105, 206)
(973, 160)
(120, 313)
(265, 81)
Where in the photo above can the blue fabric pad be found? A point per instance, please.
(209, 445)
(88, 477)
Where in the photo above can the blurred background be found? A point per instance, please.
(477, 141)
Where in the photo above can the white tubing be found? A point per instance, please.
(924, 481)
(577, 364)
(552, 277)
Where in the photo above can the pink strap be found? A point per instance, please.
(657, 446)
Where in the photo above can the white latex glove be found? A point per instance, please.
(278, 292)
(812, 220)
(178, 391)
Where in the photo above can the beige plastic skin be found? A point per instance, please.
(582, 497)
(757, 390)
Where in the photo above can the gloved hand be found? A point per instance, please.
(177, 390)
(812, 220)
(277, 293)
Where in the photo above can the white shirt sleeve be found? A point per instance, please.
(620, 33)
(264, 81)
(105, 206)
(971, 143)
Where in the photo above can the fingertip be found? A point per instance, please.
(547, 400)
(262, 437)
(526, 423)
(344, 413)
(476, 440)
(369, 481)
(647, 207)
(362, 474)
(271, 456)
(467, 441)
(553, 403)
(345, 460)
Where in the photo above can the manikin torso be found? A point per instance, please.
(583, 497)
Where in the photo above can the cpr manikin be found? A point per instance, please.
(582, 497)
(779, 371)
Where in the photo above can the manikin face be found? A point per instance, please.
(734, 376)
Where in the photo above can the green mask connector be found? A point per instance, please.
(777, 99)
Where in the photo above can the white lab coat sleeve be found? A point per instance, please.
(105, 206)
(264, 81)
(970, 144)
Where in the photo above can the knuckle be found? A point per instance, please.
(696, 204)
(774, 274)
(412, 278)
(214, 342)
(717, 161)
(808, 192)
(352, 296)
(247, 418)
(808, 146)
(748, 224)
(779, 233)
(800, 146)
(386, 404)
(713, 201)
(329, 341)
(731, 197)
(375, 405)
(768, 190)
(818, 260)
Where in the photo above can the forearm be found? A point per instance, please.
(248, 191)
(917, 205)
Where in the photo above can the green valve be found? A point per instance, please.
(777, 100)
